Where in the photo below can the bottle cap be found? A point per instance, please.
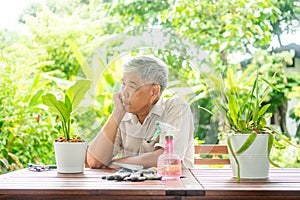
(167, 137)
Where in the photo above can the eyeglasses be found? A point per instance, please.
(40, 168)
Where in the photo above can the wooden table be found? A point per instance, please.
(283, 183)
(199, 183)
(25, 184)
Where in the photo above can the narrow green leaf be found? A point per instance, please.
(271, 85)
(255, 109)
(247, 143)
(231, 81)
(35, 83)
(36, 97)
(262, 111)
(246, 73)
(205, 109)
(233, 109)
(234, 157)
(246, 103)
(282, 137)
(270, 145)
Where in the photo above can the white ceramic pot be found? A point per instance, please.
(254, 163)
(70, 156)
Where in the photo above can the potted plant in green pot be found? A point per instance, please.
(70, 151)
(249, 137)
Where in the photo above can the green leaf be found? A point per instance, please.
(282, 137)
(246, 102)
(254, 88)
(223, 46)
(68, 103)
(233, 108)
(271, 85)
(56, 106)
(77, 92)
(262, 111)
(234, 157)
(35, 82)
(270, 145)
(84, 66)
(246, 73)
(35, 99)
(231, 81)
(242, 126)
(262, 123)
(247, 143)
(109, 79)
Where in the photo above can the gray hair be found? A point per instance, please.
(151, 69)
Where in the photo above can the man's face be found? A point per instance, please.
(137, 96)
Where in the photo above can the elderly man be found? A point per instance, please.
(128, 131)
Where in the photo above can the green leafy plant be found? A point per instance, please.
(243, 106)
(64, 109)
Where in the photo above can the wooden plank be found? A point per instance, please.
(50, 183)
(193, 187)
(219, 183)
(188, 182)
(211, 149)
(90, 182)
(211, 161)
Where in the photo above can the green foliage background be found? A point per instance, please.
(58, 47)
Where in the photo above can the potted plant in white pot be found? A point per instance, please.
(70, 151)
(249, 137)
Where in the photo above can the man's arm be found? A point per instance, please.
(100, 151)
(148, 159)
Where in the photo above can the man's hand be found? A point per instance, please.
(119, 110)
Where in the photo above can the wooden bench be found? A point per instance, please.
(216, 154)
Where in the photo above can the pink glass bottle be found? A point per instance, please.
(169, 163)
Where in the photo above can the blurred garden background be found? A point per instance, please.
(57, 42)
